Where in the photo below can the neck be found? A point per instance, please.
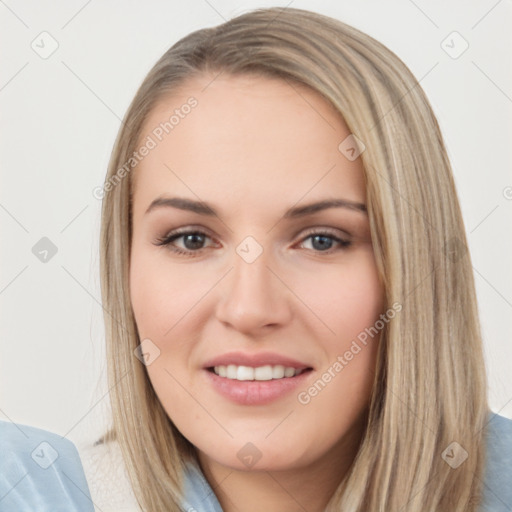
(307, 488)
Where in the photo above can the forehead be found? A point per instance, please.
(249, 140)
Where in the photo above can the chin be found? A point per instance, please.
(263, 456)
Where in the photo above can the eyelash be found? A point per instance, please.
(175, 235)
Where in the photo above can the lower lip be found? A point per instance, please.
(255, 392)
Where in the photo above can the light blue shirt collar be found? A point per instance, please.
(497, 491)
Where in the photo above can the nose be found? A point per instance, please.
(253, 298)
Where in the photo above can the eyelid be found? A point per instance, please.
(305, 232)
(337, 232)
(344, 239)
(186, 230)
(179, 232)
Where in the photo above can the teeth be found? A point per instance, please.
(289, 372)
(278, 372)
(267, 372)
(244, 373)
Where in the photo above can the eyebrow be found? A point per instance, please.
(202, 208)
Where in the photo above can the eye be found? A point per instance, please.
(322, 241)
(192, 240)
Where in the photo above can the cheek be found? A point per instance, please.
(160, 295)
(342, 388)
(346, 298)
(162, 300)
(349, 301)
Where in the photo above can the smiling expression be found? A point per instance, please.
(252, 271)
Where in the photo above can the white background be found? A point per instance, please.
(59, 119)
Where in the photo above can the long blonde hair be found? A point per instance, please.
(430, 386)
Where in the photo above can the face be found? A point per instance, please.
(253, 308)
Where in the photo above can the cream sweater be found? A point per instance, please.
(107, 478)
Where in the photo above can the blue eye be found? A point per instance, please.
(193, 242)
(324, 241)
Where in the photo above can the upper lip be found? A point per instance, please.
(255, 360)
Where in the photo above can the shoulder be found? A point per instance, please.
(108, 480)
(111, 490)
(497, 491)
(37, 468)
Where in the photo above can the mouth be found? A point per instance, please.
(256, 379)
(259, 373)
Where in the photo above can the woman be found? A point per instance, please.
(291, 316)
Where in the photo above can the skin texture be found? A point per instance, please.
(252, 148)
